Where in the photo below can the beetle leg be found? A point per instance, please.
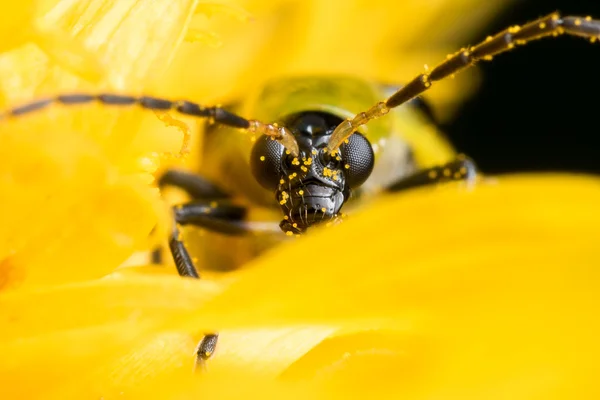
(461, 169)
(215, 216)
(205, 349)
(195, 186)
(224, 218)
(185, 267)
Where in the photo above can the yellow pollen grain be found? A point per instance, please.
(542, 25)
(262, 158)
(213, 204)
(289, 233)
(463, 170)
(447, 172)
(286, 217)
(347, 166)
(457, 175)
(323, 209)
(432, 174)
(301, 192)
(281, 181)
(282, 202)
(295, 225)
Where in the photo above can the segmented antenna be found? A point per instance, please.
(549, 26)
(215, 114)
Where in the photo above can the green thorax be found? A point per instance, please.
(341, 96)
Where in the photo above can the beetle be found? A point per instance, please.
(319, 153)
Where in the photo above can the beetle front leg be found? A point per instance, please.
(460, 169)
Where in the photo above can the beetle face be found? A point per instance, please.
(312, 187)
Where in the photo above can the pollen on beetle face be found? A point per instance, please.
(323, 209)
(447, 172)
(295, 225)
(289, 233)
(301, 192)
(347, 166)
(432, 174)
(262, 158)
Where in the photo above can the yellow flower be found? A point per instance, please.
(484, 294)
(78, 179)
(437, 293)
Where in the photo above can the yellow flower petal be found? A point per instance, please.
(443, 244)
(489, 293)
(114, 299)
(78, 179)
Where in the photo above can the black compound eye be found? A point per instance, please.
(358, 159)
(265, 162)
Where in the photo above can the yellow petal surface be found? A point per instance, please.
(484, 293)
(492, 292)
(78, 180)
(482, 237)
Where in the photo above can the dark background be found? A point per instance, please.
(538, 108)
